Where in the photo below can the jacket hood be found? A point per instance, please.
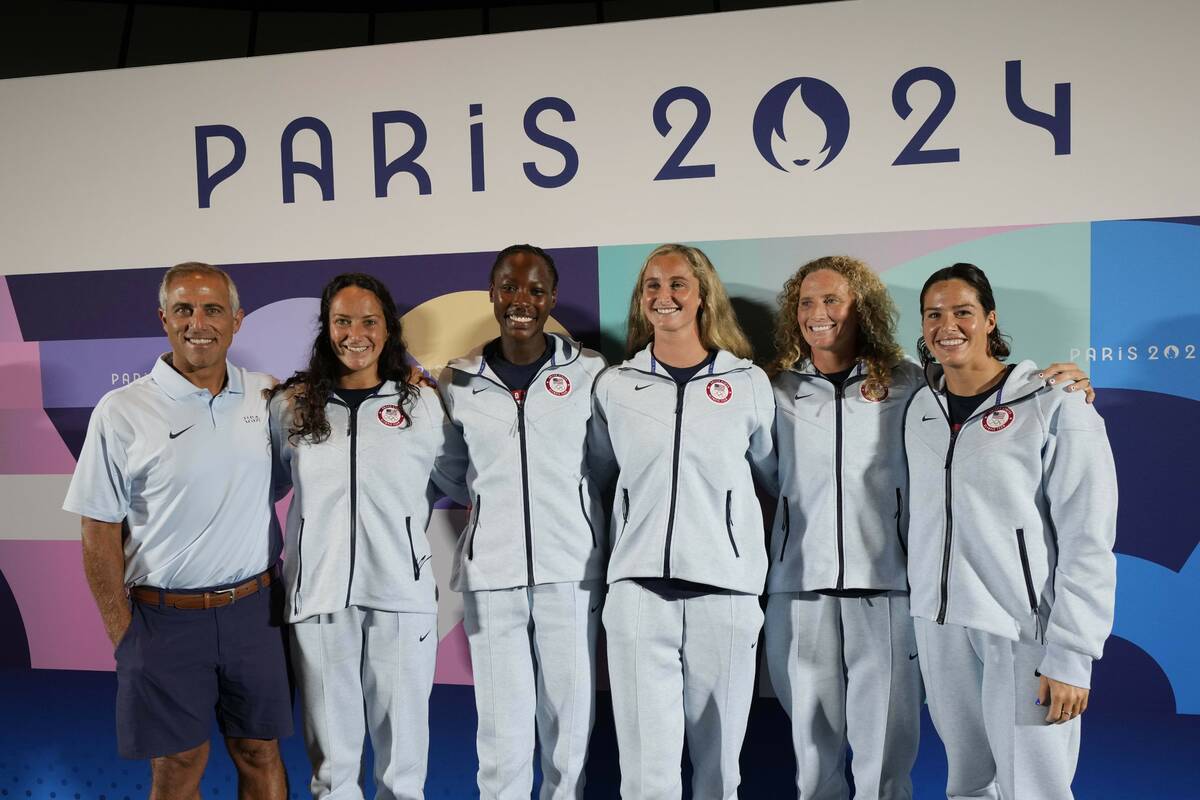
(1022, 381)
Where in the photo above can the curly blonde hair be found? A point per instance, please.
(719, 328)
(877, 316)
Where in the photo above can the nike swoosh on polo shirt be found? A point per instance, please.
(181, 433)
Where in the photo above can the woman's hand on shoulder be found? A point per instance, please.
(1068, 374)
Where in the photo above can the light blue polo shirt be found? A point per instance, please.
(189, 473)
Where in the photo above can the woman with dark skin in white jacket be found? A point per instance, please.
(1012, 511)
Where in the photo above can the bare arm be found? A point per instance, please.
(104, 566)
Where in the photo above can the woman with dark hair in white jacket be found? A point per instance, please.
(530, 562)
(1013, 505)
(685, 421)
(357, 440)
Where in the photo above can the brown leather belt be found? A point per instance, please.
(200, 600)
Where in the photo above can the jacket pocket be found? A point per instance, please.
(299, 565)
(412, 551)
(729, 522)
(474, 527)
(583, 510)
(1032, 596)
(786, 527)
(900, 533)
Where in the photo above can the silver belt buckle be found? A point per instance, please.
(231, 592)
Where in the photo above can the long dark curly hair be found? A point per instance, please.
(310, 388)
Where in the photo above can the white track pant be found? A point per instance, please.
(533, 655)
(981, 691)
(365, 671)
(845, 671)
(680, 666)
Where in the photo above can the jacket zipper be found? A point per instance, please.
(674, 480)
(899, 533)
(787, 527)
(474, 526)
(1031, 594)
(949, 532)
(583, 508)
(624, 512)
(412, 551)
(352, 431)
(729, 521)
(525, 489)
(838, 394)
(299, 564)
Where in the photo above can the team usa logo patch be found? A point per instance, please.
(997, 419)
(558, 384)
(873, 392)
(392, 416)
(719, 390)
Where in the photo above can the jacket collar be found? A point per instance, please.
(563, 351)
(806, 367)
(178, 387)
(1021, 383)
(644, 361)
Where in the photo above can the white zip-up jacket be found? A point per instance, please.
(685, 505)
(1013, 520)
(522, 467)
(356, 527)
(841, 481)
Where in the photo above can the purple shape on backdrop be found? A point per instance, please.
(20, 375)
(10, 330)
(78, 373)
(277, 338)
(15, 653)
(1147, 431)
(30, 444)
(100, 301)
(71, 424)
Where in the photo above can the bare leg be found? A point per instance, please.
(177, 776)
(260, 769)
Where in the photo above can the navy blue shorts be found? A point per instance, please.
(176, 666)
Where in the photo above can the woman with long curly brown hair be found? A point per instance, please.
(840, 644)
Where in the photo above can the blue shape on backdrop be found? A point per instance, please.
(820, 98)
(1145, 320)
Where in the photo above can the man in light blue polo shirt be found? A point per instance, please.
(180, 543)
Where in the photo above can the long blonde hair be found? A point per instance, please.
(719, 328)
(876, 342)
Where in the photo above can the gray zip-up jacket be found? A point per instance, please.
(521, 466)
(685, 505)
(841, 481)
(356, 527)
(1013, 520)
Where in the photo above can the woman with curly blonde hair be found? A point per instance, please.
(840, 644)
(684, 423)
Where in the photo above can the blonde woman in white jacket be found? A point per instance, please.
(685, 421)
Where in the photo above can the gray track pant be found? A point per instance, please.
(845, 671)
(676, 666)
(365, 671)
(981, 691)
(533, 655)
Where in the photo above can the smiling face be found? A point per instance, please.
(523, 295)
(670, 294)
(199, 322)
(955, 326)
(828, 319)
(358, 333)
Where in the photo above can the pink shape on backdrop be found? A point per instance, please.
(60, 617)
(454, 659)
(20, 375)
(10, 329)
(883, 251)
(30, 444)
